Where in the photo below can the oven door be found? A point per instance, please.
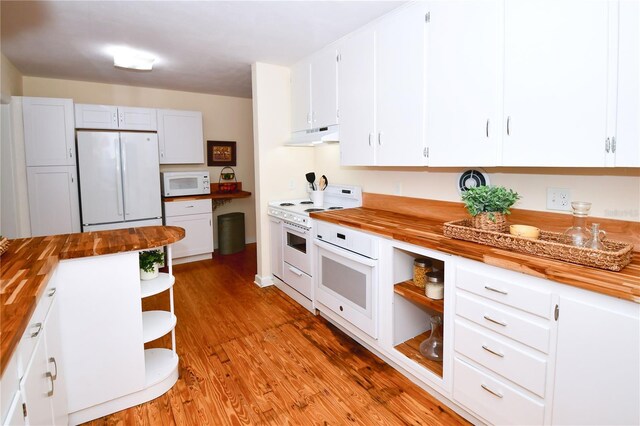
(297, 247)
(347, 284)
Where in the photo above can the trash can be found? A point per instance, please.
(231, 233)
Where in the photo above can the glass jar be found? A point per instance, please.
(421, 267)
(435, 285)
(597, 236)
(578, 233)
(432, 347)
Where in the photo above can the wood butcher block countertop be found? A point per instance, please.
(428, 232)
(28, 264)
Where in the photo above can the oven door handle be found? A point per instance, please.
(346, 253)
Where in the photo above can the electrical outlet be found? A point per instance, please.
(558, 199)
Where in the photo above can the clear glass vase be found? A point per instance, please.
(432, 347)
(579, 233)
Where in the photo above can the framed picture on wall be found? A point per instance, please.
(220, 153)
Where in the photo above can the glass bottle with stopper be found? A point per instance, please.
(597, 236)
(432, 347)
(578, 233)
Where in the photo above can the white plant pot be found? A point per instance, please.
(144, 275)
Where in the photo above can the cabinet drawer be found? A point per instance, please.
(297, 279)
(180, 208)
(34, 329)
(492, 399)
(494, 353)
(497, 285)
(521, 327)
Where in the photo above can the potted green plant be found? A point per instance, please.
(488, 206)
(149, 263)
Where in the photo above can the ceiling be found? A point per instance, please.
(201, 46)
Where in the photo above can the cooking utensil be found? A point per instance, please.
(323, 183)
(311, 178)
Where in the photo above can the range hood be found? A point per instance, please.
(313, 137)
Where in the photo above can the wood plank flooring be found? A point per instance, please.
(252, 356)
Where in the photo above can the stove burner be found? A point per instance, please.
(306, 202)
(334, 208)
(313, 210)
(286, 204)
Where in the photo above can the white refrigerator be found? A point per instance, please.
(119, 174)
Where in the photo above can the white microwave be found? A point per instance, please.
(176, 184)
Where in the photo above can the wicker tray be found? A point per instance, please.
(553, 245)
(4, 245)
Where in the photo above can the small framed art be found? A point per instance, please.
(220, 153)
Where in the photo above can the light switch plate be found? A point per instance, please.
(558, 199)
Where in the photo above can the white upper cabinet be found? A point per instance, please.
(314, 91)
(555, 83)
(356, 98)
(115, 117)
(301, 96)
(324, 88)
(49, 131)
(627, 135)
(180, 137)
(464, 83)
(400, 88)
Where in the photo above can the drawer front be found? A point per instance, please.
(347, 238)
(494, 353)
(181, 208)
(493, 400)
(518, 327)
(34, 329)
(297, 279)
(505, 290)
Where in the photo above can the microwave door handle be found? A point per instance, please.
(346, 254)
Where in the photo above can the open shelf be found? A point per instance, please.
(157, 285)
(156, 324)
(415, 294)
(411, 349)
(159, 364)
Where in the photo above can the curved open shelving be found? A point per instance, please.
(156, 324)
(157, 285)
(159, 363)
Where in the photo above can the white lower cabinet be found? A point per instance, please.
(15, 414)
(196, 217)
(38, 386)
(53, 345)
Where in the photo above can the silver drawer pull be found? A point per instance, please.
(495, 290)
(295, 271)
(38, 325)
(50, 377)
(55, 365)
(499, 395)
(492, 351)
(188, 207)
(52, 292)
(504, 324)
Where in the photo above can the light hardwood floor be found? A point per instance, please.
(252, 356)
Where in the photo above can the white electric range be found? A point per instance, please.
(292, 248)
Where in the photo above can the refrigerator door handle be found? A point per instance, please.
(125, 181)
(118, 178)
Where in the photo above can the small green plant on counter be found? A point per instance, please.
(489, 199)
(149, 258)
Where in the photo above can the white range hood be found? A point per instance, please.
(317, 136)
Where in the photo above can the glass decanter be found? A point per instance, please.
(578, 233)
(597, 236)
(432, 347)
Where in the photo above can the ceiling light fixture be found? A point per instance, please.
(133, 59)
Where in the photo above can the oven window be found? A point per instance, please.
(183, 183)
(297, 242)
(347, 282)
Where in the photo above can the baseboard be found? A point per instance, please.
(192, 258)
(263, 281)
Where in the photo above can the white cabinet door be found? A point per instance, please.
(400, 88)
(555, 90)
(15, 414)
(49, 131)
(627, 146)
(324, 85)
(464, 83)
(300, 96)
(130, 118)
(53, 345)
(54, 207)
(275, 228)
(90, 116)
(180, 137)
(37, 386)
(597, 368)
(140, 176)
(356, 98)
(198, 235)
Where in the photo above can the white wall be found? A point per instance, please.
(613, 192)
(276, 166)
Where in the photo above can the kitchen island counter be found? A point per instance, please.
(29, 263)
(428, 232)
